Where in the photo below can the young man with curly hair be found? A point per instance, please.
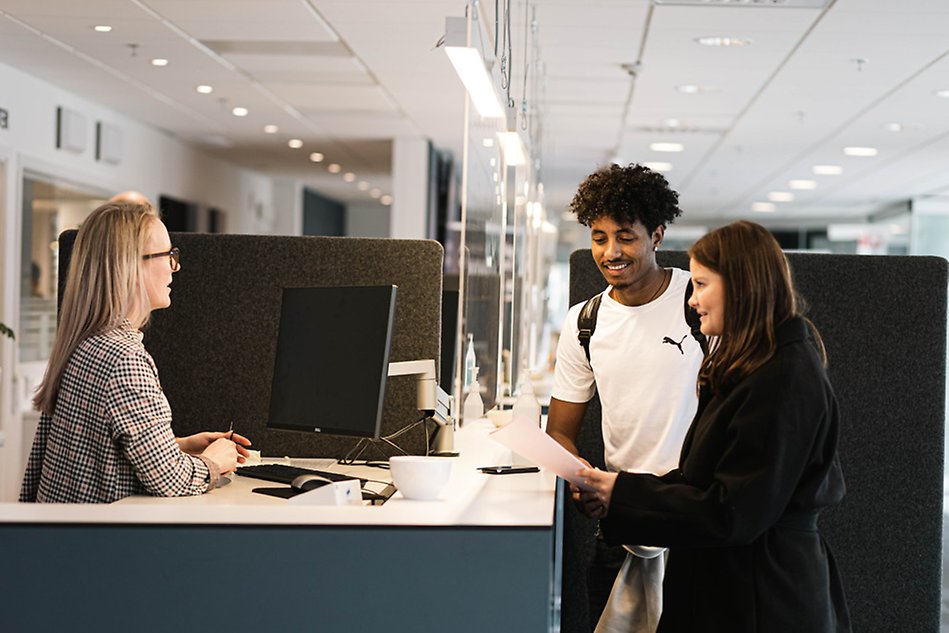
(642, 362)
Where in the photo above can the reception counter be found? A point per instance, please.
(485, 557)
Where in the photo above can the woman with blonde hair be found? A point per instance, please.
(105, 425)
(757, 466)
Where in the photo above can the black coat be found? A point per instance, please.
(740, 513)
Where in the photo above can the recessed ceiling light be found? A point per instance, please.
(295, 143)
(893, 127)
(827, 170)
(944, 93)
(204, 89)
(386, 199)
(658, 166)
(723, 41)
(334, 168)
(802, 184)
(860, 151)
(239, 111)
(271, 129)
(671, 122)
(159, 61)
(781, 196)
(375, 193)
(102, 28)
(362, 185)
(349, 176)
(692, 89)
(666, 147)
(316, 157)
(763, 207)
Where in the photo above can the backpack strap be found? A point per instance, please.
(586, 322)
(693, 320)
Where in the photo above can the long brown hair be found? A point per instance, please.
(104, 284)
(759, 296)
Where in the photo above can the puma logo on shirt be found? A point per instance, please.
(666, 339)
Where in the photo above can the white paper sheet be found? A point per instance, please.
(529, 441)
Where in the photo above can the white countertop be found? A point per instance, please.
(471, 498)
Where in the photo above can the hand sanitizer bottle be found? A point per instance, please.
(469, 362)
(474, 405)
(526, 407)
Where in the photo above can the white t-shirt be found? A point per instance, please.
(644, 366)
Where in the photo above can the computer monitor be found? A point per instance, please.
(332, 360)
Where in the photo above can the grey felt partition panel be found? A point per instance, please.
(883, 321)
(215, 345)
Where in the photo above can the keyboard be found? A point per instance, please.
(284, 474)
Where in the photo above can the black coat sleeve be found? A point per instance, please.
(756, 453)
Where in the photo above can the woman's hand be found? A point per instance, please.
(595, 503)
(223, 452)
(199, 443)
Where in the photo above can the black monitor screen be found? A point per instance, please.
(332, 360)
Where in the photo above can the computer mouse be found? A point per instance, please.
(306, 482)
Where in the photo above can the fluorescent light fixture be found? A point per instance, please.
(893, 127)
(271, 129)
(944, 93)
(689, 89)
(316, 157)
(470, 66)
(827, 170)
(204, 89)
(723, 41)
(666, 147)
(860, 151)
(781, 196)
(512, 147)
(802, 184)
(102, 28)
(487, 142)
(159, 61)
(239, 111)
(763, 207)
(334, 168)
(295, 143)
(658, 166)
(671, 122)
(349, 176)
(386, 199)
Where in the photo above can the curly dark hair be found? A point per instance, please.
(626, 194)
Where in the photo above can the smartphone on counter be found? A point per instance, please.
(508, 470)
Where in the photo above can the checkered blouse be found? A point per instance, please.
(110, 433)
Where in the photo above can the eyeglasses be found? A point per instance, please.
(172, 255)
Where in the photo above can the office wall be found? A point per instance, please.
(152, 162)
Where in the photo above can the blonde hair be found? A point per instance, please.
(105, 283)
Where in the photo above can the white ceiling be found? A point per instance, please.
(348, 76)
